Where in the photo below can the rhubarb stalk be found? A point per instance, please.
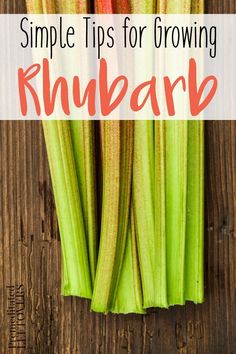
(176, 188)
(76, 272)
(149, 200)
(124, 277)
(160, 216)
(143, 200)
(117, 164)
(129, 294)
(184, 196)
(83, 141)
(194, 279)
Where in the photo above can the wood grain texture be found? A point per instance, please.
(30, 255)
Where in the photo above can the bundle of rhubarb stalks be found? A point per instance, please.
(128, 195)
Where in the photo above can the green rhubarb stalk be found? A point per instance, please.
(170, 193)
(176, 188)
(129, 297)
(103, 292)
(149, 200)
(91, 192)
(160, 216)
(83, 140)
(77, 138)
(160, 201)
(143, 201)
(184, 170)
(76, 274)
(129, 293)
(194, 279)
(117, 165)
(194, 284)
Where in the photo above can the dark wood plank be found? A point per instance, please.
(30, 255)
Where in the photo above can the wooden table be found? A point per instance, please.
(30, 255)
